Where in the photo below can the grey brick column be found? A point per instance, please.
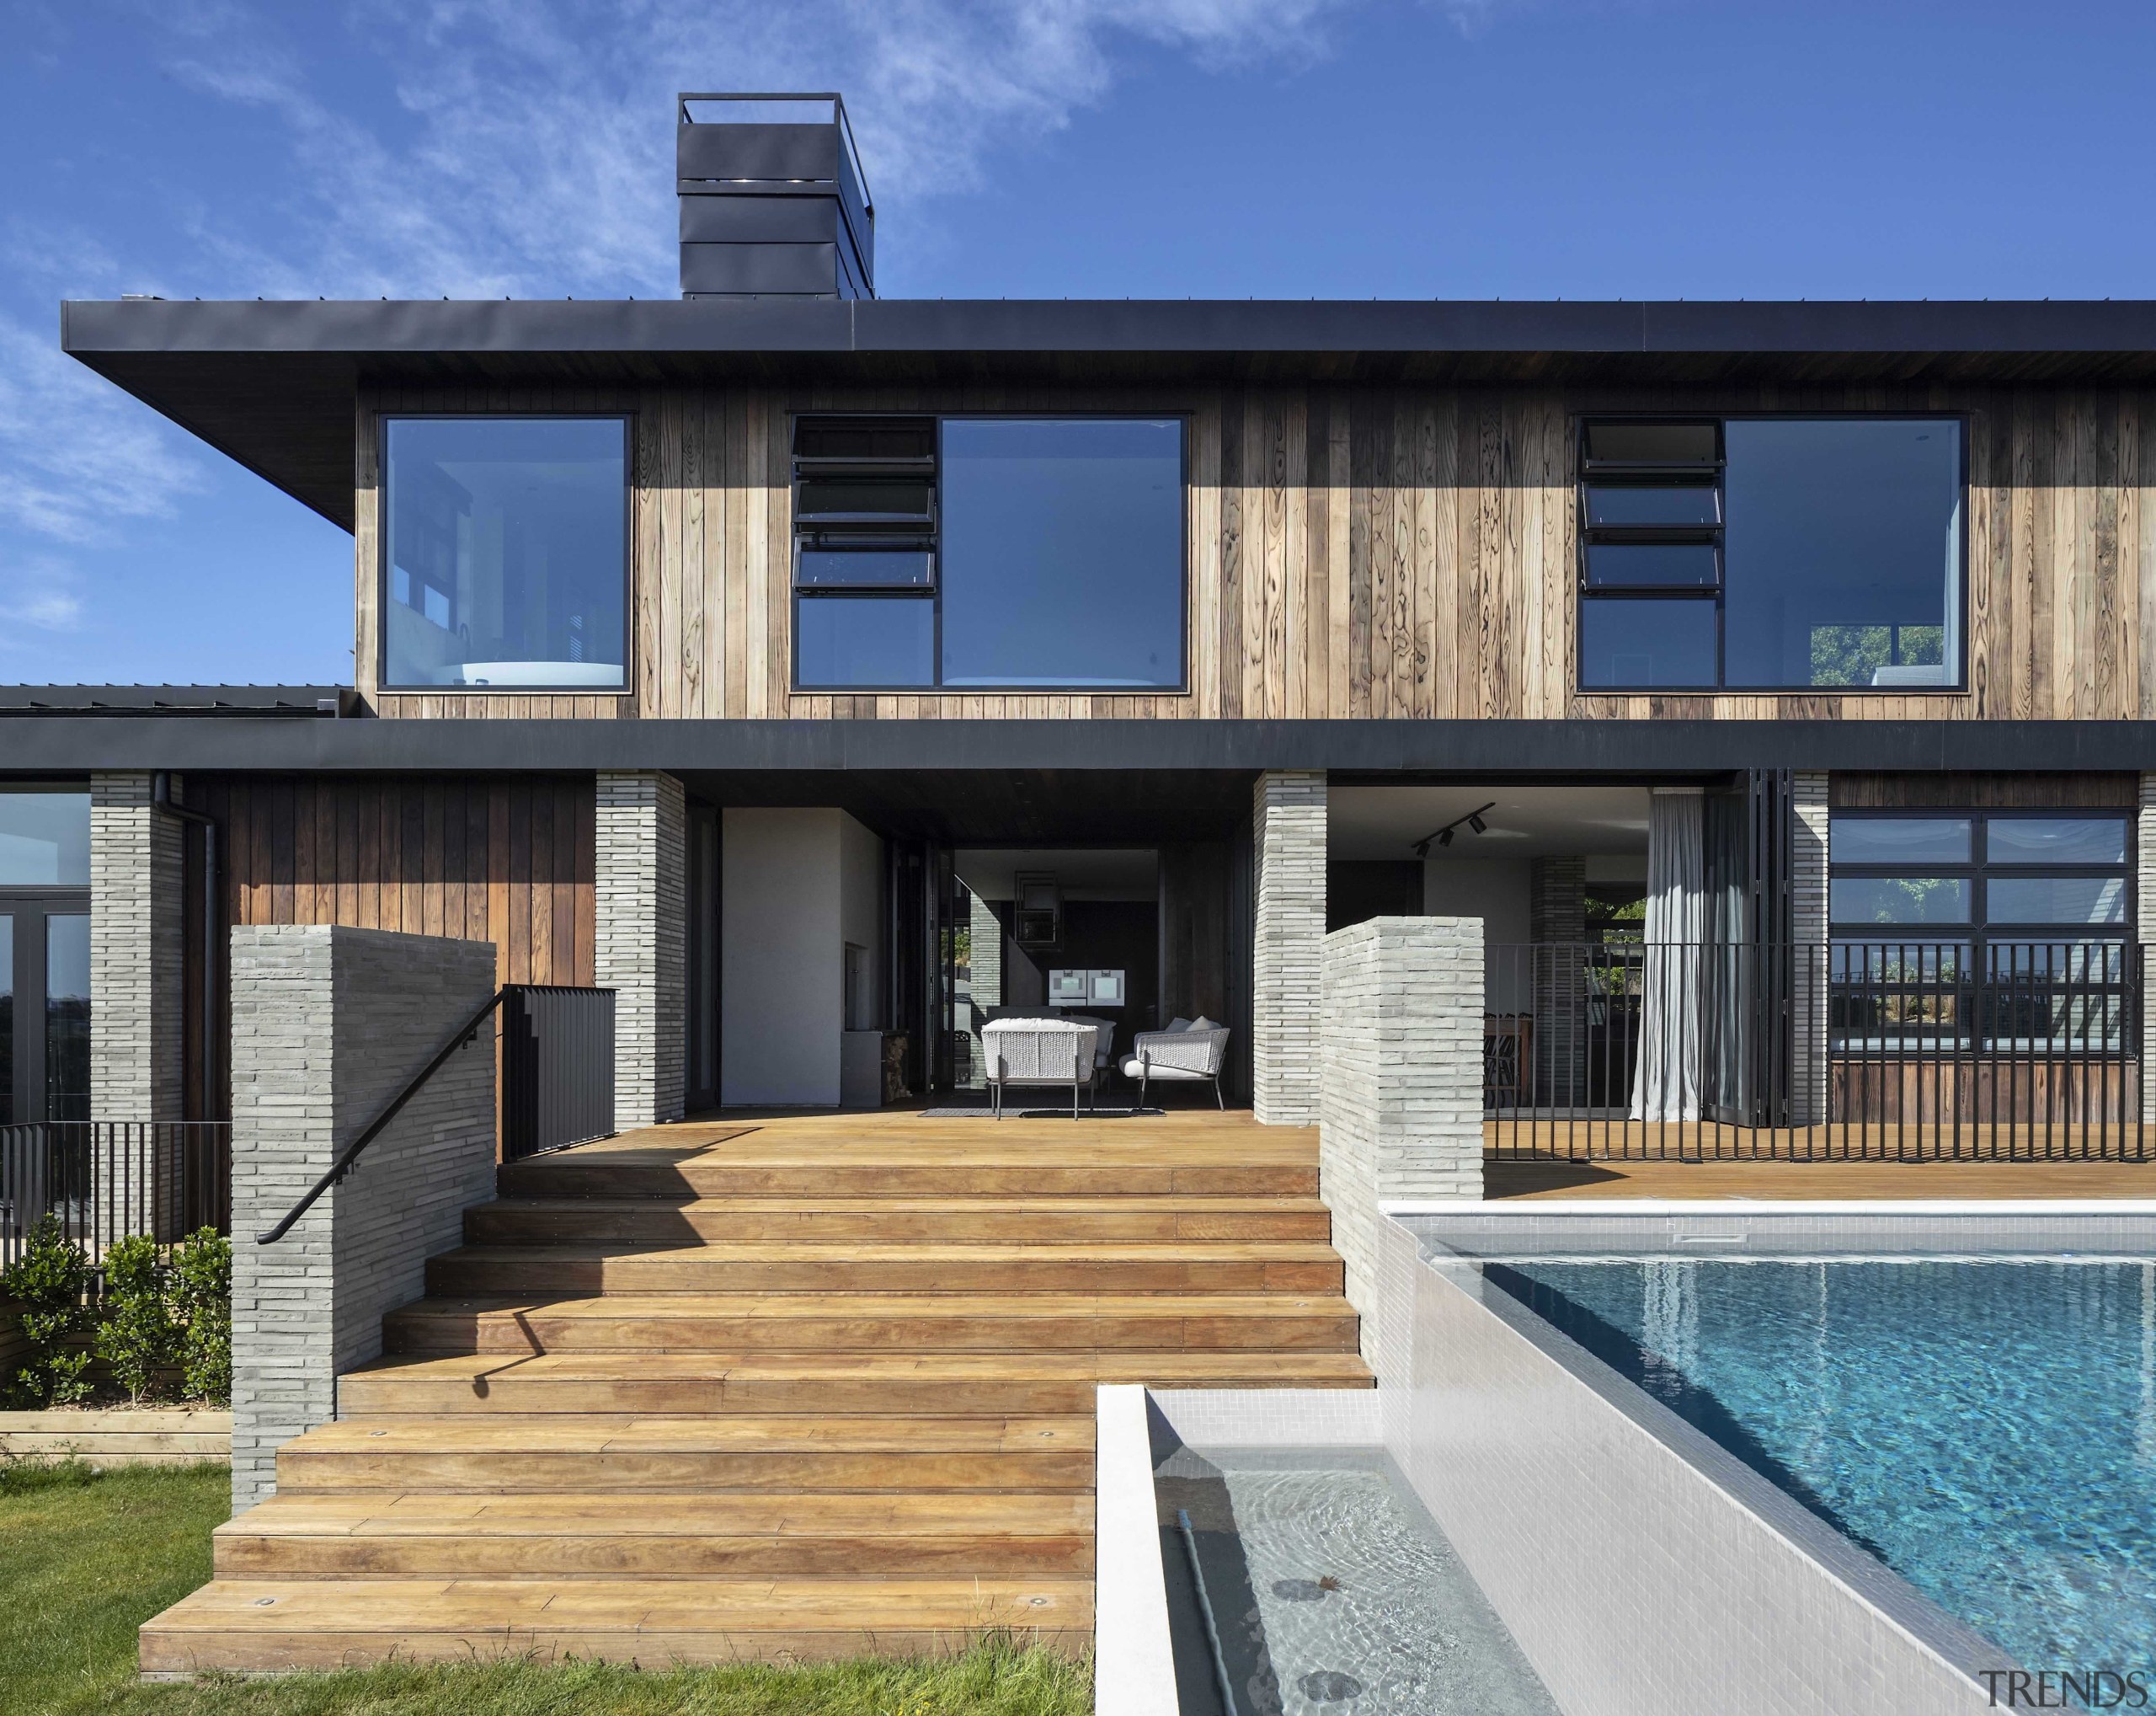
(1402, 1111)
(1557, 924)
(987, 943)
(641, 908)
(1287, 829)
(1807, 917)
(328, 1025)
(2145, 930)
(137, 954)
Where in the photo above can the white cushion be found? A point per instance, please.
(1135, 1068)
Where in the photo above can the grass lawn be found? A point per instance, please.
(85, 1560)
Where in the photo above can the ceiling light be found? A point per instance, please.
(1475, 822)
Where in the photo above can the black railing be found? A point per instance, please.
(1938, 1049)
(557, 1067)
(107, 1180)
(579, 1031)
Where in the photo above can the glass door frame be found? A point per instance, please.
(28, 908)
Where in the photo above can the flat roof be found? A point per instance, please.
(270, 381)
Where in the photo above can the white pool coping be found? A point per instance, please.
(1538, 1209)
(1134, 1656)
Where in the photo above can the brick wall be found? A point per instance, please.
(1808, 915)
(642, 935)
(137, 954)
(1288, 827)
(328, 1025)
(1402, 1110)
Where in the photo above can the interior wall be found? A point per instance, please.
(781, 961)
(1498, 891)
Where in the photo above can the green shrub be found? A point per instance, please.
(136, 1335)
(201, 1287)
(49, 1280)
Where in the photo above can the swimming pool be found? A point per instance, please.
(1985, 1425)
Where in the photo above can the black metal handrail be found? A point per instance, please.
(462, 1037)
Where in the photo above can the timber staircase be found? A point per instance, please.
(788, 1390)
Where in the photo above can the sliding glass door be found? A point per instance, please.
(45, 1006)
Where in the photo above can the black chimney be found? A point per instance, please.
(773, 204)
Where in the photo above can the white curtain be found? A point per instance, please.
(1666, 1072)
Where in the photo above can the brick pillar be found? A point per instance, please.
(641, 899)
(1402, 1110)
(2145, 930)
(137, 954)
(328, 1024)
(987, 934)
(1807, 918)
(1556, 921)
(1287, 852)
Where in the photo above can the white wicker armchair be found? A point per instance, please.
(1023, 1051)
(1185, 1053)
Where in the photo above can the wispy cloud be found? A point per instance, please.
(530, 155)
(39, 592)
(77, 459)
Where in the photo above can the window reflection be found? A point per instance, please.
(68, 1016)
(507, 551)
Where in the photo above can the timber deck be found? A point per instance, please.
(781, 1388)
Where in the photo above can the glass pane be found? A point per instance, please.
(839, 568)
(865, 438)
(1622, 565)
(1612, 505)
(1842, 554)
(1900, 900)
(1915, 960)
(1898, 840)
(45, 839)
(861, 641)
(1646, 643)
(867, 497)
(7, 1018)
(68, 1018)
(1063, 558)
(1651, 443)
(2055, 899)
(2056, 839)
(507, 544)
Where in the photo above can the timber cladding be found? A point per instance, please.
(506, 860)
(1357, 552)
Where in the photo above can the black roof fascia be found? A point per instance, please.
(270, 383)
(361, 330)
(1351, 749)
(106, 701)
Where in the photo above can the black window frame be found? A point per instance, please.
(861, 533)
(1984, 989)
(1631, 474)
(627, 420)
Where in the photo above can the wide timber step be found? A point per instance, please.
(1017, 1173)
(721, 1267)
(829, 1220)
(733, 1451)
(839, 1382)
(542, 1534)
(783, 1390)
(846, 1322)
(271, 1625)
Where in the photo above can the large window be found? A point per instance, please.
(988, 554)
(44, 953)
(1770, 553)
(506, 553)
(1998, 928)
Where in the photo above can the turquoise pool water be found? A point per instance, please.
(1986, 1428)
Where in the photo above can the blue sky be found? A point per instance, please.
(1240, 148)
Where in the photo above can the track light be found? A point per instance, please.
(1443, 837)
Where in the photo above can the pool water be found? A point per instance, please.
(1986, 1428)
(1336, 1595)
